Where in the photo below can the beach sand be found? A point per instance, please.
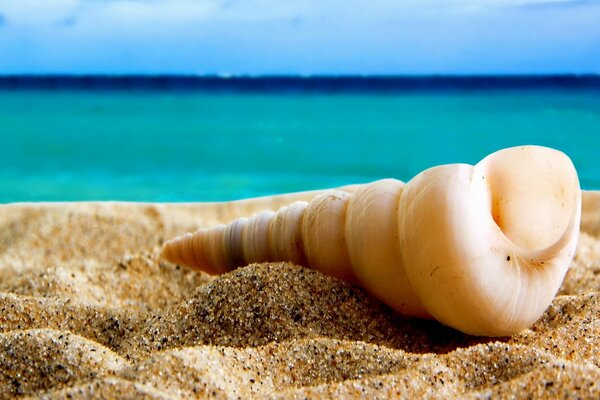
(89, 311)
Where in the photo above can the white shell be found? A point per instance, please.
(481, 248)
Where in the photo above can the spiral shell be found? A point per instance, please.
(481, 248)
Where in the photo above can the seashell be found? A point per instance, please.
(482, 249)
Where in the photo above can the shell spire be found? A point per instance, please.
(481, 248)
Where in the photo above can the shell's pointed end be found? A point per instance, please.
(183, 250)
(166, 252)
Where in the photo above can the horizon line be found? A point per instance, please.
(299, 83)
(302, 75)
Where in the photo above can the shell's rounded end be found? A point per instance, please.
(534, 193)
(486, 248)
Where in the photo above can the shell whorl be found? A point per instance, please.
(338, 233)
(305, 233)
(480, 248)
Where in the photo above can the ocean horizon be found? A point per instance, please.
(172, 138)
(297, 83)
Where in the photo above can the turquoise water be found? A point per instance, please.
(201, 146)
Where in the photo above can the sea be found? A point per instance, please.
(215, 138)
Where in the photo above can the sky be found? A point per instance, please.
(307, 37)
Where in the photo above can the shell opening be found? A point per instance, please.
(534, 197)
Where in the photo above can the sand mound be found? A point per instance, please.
(37, 359)
(87, 310)
(263, 303)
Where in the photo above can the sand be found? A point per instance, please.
(87, 310)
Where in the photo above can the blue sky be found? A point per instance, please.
(300, 36)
